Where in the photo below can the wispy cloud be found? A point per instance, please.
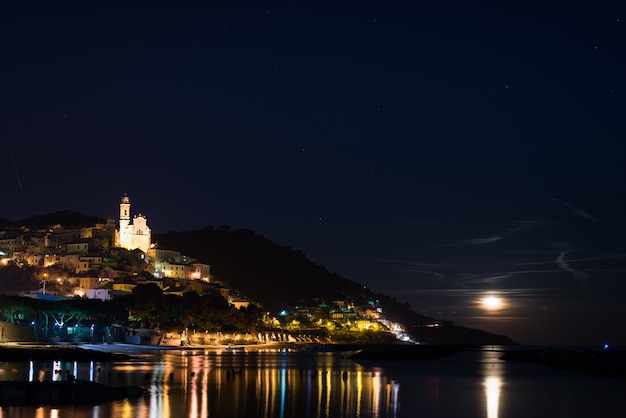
(488, 279)
(490, 239)
(439, 276)
(523, 292)
(578, 211)
(534, 271)
(582, 277)
(535, 263)
(482, 241)
(411, 262)
(600, 257)
(436, 274)
(573, 260)
(528, 252)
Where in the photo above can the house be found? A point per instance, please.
(102, 294)
(13, 244)
(125, 284)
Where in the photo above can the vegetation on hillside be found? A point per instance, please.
(277, 277)
(273, 275)
(280, 277)
(149, 307)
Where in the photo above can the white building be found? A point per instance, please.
(132, 235)
(102, 294)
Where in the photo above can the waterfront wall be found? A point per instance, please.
(15, 333)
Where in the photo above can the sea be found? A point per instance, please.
(280, 383)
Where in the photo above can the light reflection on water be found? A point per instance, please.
(493, 384)
(198, 384)
(202, 384)
(492, 390)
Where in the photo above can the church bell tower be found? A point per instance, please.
(124, 233)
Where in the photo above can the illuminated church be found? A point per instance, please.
(132, 235)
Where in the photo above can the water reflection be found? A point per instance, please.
(493, 380)
(271, 386)
(315, 385)
(199, 384)
(492, 390)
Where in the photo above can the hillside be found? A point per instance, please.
(275, 276)
(66, 218)
(279, 277)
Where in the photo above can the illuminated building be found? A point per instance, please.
(132, 235)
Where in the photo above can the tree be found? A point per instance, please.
(13, 308)
(149, 302)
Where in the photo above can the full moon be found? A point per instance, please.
(492, 303)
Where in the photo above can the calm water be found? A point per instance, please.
(237, 384)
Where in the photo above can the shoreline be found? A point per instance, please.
(24, 351)
(60, 352)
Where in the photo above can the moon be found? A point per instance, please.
(492, 303)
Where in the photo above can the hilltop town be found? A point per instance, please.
(160, 295)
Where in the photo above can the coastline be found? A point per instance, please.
(115, 351)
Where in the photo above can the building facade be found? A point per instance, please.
(132, 235)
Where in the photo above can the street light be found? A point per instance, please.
(45, 279)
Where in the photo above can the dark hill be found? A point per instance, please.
(279, 276)
(66, 218)
(5, 223)
(274, 275)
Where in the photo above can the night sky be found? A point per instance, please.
(437, 151)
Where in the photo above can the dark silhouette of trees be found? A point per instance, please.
(148, 306)
(15, 309)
